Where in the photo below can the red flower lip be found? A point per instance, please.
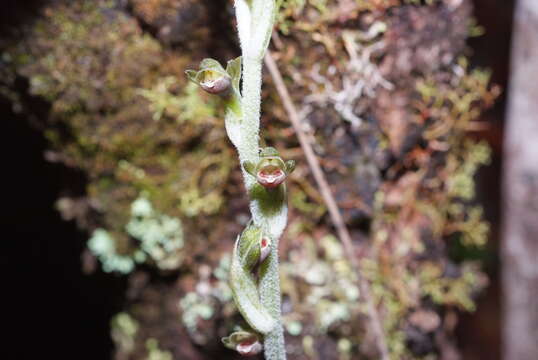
(270, 176)
(249, 348)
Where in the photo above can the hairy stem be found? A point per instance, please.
(264, 173)
(268, 206)
(248, 147)
(274, 224)
(271, 298)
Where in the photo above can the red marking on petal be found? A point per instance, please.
(249, 348)
(271, 179)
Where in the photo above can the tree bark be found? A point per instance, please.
(520, 244)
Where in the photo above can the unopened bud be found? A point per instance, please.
(265, 248)
(245, 343)
(218, 86)
(213, 78)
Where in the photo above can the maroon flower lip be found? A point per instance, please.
(270, 176)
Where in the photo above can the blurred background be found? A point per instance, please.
(123, 195)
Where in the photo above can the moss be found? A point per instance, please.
(122, 112)
(416, 215)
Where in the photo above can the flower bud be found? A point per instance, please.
(217, 86)
(216, 80)
(244, 342)
(271, 170)
(265, 248)
(270, 176)
(246, 256)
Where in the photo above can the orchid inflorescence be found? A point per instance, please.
(254, 277)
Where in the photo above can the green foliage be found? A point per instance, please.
(461, 180)
(447, 291)
(432, 207)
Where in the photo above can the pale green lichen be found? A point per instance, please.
(208, 296)
(155, 353)
(160, 236)
(160, 241)
(194, 307)
(124, 330)
(102, 245)
(293, 327)
(329, 293)
(344, 348)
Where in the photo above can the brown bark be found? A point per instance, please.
(520, 247)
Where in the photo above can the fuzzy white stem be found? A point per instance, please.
(250, 125)
(255, 20)
(271, 299)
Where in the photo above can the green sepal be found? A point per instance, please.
(233, 68)
(249, 246)
(249, 167)
(269, 151)
(290, 166)
(192, 74)
(211, 68)
(213, 65)
(208, 68)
